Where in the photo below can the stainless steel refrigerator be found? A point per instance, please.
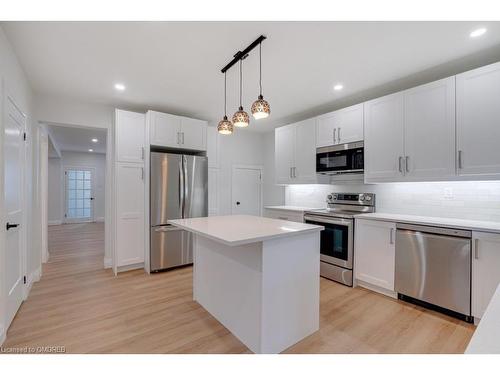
(178, 189)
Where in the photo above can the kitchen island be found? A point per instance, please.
(257, 276)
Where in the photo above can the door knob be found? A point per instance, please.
(9, 225)
(92, 198)
(237, 203)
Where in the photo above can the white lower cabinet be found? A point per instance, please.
(284, 215)
(374, 254)
(130, 208)
(485, 270)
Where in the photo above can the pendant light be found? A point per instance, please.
(240, 117)
(260, 108)
(225, 126)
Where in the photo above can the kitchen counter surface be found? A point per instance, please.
(234, 230)
(486, 339)
(476, 225)
(299, 209)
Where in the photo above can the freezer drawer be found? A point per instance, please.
(434, 267)
(170, 247)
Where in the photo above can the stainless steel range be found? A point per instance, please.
(337, 239)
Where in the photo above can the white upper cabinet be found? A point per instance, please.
(478, 127)
(485, 270)
(295, 153)
(284, 144)
(342, 126)
(130, 136)
(164, 129)
(374, 253)
(177, 132)
(429, 131)
(384, 152)
(305, 152)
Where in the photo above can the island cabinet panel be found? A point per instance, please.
(342, 126)
(384, 151)
(295, 153)
(172, 131)
(130, 136)
(478, 114)
(485, 270)
(374, 254)
(130, 208)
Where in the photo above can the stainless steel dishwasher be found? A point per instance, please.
(433, 268)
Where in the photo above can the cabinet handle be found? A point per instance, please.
(178, 138)
(391, 236)
(334, 130)
(142, 153)
(291, 172)
(460, 159)
(476, 248)
(400, 167)
(282, 218)
(407, 164)
(338, 134)
(294, 170)
(182, 137)
(142, 173)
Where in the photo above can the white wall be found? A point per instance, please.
(476, 200)
(56, 182)
(13, 81)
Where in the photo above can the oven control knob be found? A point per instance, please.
(329, 197)
(368, 198)
(361, 197)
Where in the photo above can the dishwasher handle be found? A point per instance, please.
(435, 230)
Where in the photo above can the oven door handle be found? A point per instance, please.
(316, 219)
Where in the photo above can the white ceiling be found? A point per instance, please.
(175, 66)
(76, 139)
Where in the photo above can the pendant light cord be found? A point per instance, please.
(225, 96)
(260, 67)
(241, 81)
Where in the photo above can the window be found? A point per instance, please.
(79, 194)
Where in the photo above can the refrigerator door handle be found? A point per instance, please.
(185, 186)
(181, 188)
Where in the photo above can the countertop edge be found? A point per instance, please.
(248, 240)
(433, 221)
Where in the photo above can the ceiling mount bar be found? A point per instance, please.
(241, 55)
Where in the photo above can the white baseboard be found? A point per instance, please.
(32, 278)
(99, 219)
(130, 267)
(108, 263)
(375, 288)
(54, 222)
(3, 336)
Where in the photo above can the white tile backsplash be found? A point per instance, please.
(474, 200)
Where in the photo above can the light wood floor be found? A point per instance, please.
(79, 305)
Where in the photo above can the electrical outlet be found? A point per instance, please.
(448, 193)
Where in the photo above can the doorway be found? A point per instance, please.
(79, 194)
(246, 192)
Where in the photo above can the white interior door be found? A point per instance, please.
(14, 206)
(79, 195)
(246, 191)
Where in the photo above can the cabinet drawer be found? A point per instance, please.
(284, 215)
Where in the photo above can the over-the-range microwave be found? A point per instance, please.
(340, 159)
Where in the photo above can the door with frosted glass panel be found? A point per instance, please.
(79, 195)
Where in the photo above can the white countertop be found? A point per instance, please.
(486, 339)
(234, 230)
(292, 208)
(476, 225)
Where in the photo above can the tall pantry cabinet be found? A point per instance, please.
(129, 188)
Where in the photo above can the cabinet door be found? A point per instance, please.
(164, 129)
(284, 215)
(350, 124)
(284, 139)
(325, 126)
(193, 134)
(130, 136)
(485, 270)
(384, 139)
(374, 253)
(129, 214)
(430, 130)
(305, 152)
(478, 114)
(212, 147)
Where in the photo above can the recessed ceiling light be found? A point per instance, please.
(95, 140)
(91, 150)
(338, 87)
(119, 86)
(477, 32)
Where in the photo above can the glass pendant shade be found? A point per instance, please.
(241, 118)
(225, 126)
(260, 108)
